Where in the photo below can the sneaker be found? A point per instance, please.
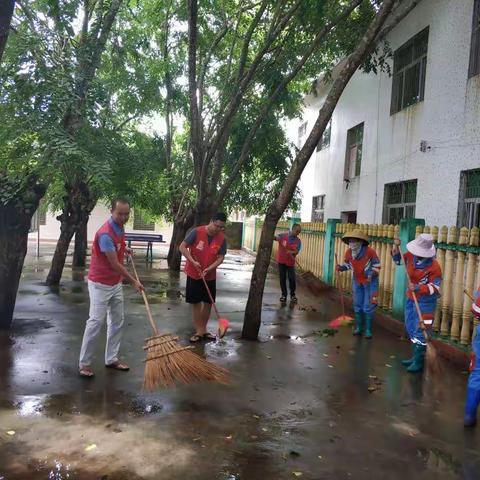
(294, 299)
(283, 299)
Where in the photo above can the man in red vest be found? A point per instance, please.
(204, 248)
(105, 289)
(289, 246)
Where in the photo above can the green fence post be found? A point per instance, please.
(292, 221)
(243, 233)
(254, 243)
(328, 263)
(408, 227)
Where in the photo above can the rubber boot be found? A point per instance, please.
(410, 360)
(471, 405)
(358, 323)
(368, 325)
(418, 359)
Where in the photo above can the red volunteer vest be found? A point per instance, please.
(421, 276)
(285, 245)
(204, 253)
(359, 264)
(100, 268)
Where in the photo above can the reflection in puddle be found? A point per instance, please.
(293, 338)
(30, 406)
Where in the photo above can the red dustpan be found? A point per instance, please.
(223, 323)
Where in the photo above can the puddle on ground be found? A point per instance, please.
(293, 338)
(141, 408)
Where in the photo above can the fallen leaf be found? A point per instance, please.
(325, 355)
(197, 439)
(264, 429)
(298, 474)
(320, 457)
(90, 447)
(269, 357)
(372, 389)
(393, 356)
(388, 365)
(330, 366)
(256, 416)
(10, 432)
(229, 437)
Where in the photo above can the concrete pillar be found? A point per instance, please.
(407, 233)
(328, 257)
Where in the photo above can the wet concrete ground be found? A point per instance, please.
(299, 405)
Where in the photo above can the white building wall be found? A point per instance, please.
(100, 214)
(448, 119)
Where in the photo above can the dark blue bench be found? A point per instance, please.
(148, 238)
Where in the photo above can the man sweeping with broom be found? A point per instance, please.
(364, 262)
(424, 279)
(204, 248)
(105, 289)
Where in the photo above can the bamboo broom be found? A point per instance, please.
(431, 356)
(169, 362)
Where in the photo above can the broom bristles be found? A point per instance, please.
(168, 362)
(341, 321)
(433, 362)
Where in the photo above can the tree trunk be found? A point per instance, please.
(204, 210)
(80, 250)
(180, 229)
(257, 284)
(6, 13)
(15, 219)
(253, 310)
(78, 203)
(67, 230)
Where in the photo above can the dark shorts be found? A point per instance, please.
(196, 292)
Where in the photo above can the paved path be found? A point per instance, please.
(299, 405)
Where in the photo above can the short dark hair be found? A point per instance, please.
(296, 225)
(219, 216)
(119, 200)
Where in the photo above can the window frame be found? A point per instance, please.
(467, 202)
(319, 209)
(355, 143)
(324, 142)
(302, 130)
(474, 60)
(403, 204)
(397, 103)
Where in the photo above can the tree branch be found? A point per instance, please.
(350, 66)
(280, 88)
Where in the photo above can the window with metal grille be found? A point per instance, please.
(399, 201)
(353, 155)
(139, 223)
(302, 130)
(325, 140)
(469, 202)
(318, 208)
(409, 68)
(474, 66)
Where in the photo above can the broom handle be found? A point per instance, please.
(469, 295)
(415, 300)
(341, 291)
(208, 291)
(145, 300)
